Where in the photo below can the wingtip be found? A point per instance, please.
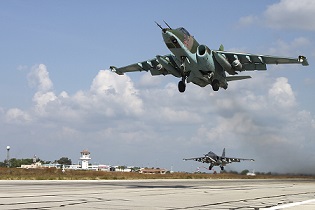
(114, 69)
(302, 59)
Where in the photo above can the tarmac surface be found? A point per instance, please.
(158, 194)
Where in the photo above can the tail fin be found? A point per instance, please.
(221, 47)
(223, 153)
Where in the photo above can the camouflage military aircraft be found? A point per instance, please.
(196, 63)
(216, 160)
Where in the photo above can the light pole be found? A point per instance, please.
(8, 156)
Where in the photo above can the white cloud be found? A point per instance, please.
(285, 14)
(172, 115)
(39, 78)
(42, 99)
(15, 115)
(252, 118)
(109, 95)
(266, 124)
(291, 14)
(281, 94)
(22, 67)
(63, 94)
(149, 81)
(284, 48)
(247, 20)
(110, 87)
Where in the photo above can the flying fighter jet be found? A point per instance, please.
(197, 63)
(216, 160)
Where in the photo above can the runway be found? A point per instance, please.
(158, 194)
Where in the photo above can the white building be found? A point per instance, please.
(85, 157)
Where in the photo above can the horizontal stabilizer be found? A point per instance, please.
(233, 78)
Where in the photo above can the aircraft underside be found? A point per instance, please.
(211, 166)
(201, 78)
(200, 68)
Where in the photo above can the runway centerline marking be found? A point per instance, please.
(290, 205)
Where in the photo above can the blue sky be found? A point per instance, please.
(57, 96)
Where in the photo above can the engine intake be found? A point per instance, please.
(202, 49)
(204, 59)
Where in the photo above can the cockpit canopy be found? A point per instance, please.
(183, 30)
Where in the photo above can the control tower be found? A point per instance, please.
(85, 157)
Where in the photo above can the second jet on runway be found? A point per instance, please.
(216, 160)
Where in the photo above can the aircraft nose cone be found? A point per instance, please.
(166, 36)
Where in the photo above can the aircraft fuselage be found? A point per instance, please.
(190, 55)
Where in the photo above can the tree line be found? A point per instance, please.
(14, 162)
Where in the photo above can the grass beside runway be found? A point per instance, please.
(57, 174)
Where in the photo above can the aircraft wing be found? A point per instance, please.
(233, 78)
(205, 159)
(252, 62)
(231, 160)
(152, 65)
